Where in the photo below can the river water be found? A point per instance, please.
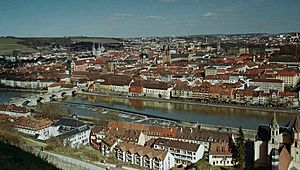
(233, 117)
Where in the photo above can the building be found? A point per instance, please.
(157, 89)
(105, 145)
(180, 57)
(39, 128)
(210, 71)
(267, 84)
(144, 156)
(220, 155)
(277, 147)
(71, 131)
(290, 77)
(184, 153)
(14, 111)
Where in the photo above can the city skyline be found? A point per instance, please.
(131, 18)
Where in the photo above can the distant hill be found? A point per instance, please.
(7, 45)
(96, 40)
(12, 157)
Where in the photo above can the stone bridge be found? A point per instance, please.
(47, 97)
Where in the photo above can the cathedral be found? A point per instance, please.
(277, 147)
(97, 52)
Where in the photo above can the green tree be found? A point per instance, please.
(238, 152)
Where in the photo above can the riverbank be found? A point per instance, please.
(232, 106)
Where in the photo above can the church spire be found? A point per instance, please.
(274, 122)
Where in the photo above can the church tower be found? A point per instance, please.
(166, 57)
(94, 49)
(274, 136)
(295, 148)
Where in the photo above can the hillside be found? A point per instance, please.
(12, 157)
(96, 39)
(7, 45)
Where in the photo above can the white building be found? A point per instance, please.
(267, 84)
(220, 155)
(157, 90)
(71, 131)
(144, 156)
(31, 126)
(184, 153)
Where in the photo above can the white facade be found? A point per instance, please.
(144, 161)
(220, 160)
(77, 139)
(157, 93)
(25, 84)
(43, 134)
(122, 89)
(183, 156)
(15, 114)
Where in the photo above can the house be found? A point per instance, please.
(267, 84)
(71, 131)
(220, 155)
(136, 88)
(180, 57)
(105, 145)
(144, 156)
(15, 111)
(290, 77)
(39, 128)
(157, 89)
(184, 153)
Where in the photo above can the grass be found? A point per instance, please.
(7, 45)
(96, 40)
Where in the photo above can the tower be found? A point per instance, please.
(274, 135)
(94, 49)
(295, 148)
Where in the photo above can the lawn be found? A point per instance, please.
(7, 45)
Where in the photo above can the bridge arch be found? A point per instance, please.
(25, 103)
(53, 97)
(63, 94)
(39, 99)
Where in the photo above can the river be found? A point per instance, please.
(234, 117)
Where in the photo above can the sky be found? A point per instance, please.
(146, 18)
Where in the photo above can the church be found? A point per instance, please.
(277, 147)
(97, 52)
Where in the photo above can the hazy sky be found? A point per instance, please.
(133, 18)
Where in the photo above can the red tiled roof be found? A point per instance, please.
(32, 123)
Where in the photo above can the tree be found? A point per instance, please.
(103, 119)
(52, 111)
(238, 150)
